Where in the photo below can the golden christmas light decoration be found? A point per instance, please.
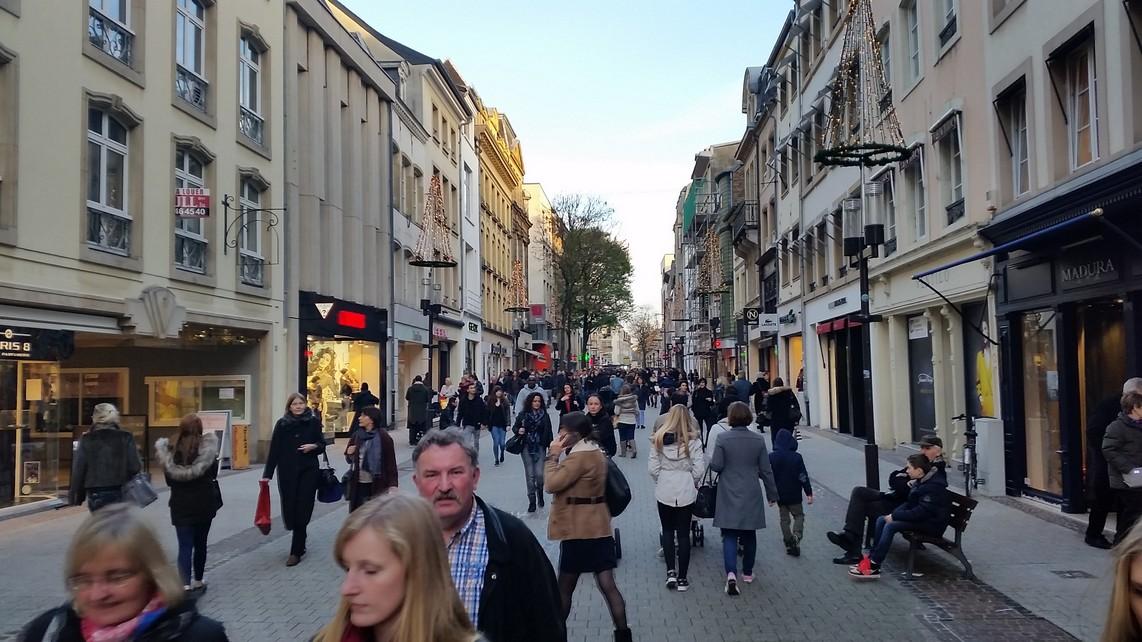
(433, 249)
(712, 278)
(862, 127)
(518, 289)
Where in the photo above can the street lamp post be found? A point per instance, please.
(863, 235)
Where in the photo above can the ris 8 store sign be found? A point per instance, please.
(191, 202)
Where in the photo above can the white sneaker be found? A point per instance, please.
(671, 580)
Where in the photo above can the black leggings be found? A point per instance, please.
(676, 522)
(606, 583)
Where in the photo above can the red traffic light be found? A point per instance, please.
(717, 344)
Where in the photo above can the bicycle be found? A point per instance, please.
(969, 464)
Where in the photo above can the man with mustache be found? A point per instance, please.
(501, 572)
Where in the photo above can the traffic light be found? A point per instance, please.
(717, 344)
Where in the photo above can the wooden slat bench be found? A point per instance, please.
(961, 511)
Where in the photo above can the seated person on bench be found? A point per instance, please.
(926, 511)
(866, 504)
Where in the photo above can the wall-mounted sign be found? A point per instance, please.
(917, 327)
(788, 318)
(752, 315)
(440, 333)
(538, 313)
(769, 323)
(33, 344)
(1088, 270)
(191, 202)
(838, 303)
(472, 327)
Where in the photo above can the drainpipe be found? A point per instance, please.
(392, 341)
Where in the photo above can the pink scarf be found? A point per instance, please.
(123, 631)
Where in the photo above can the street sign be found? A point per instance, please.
(769, 323)
(191, 202)
(752, 315)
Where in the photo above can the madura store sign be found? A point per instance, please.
(1087, 270)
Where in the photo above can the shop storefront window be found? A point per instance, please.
(30, 438)
(336, 368)
(171, 398)
(1041, 402)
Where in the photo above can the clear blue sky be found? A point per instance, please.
(609, 98)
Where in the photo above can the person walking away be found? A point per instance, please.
(676, 464)
(411, 598)
(1124, 617)
(603, 423)
(784, 410)
(472, 414)
(534, 425)
(792, 479)
(927, 511)
(361, 400)
(503, 575)
(1098, 492)
(418, 397)
(742, 388)
(121, 587)
(105, 459)
(372, 459)
(626, 413)
(1122, 447)
(760, 390)
(741, 459)
(579, 518)
(447, 401)
(867, 504)
(642, 389)
(499, 418)
(190, 466)
(703, 406)
(295, 444)
(569, 401)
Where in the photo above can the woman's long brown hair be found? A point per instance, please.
(189, 436)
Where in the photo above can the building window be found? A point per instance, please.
(189, 239)
(108, 29)
(886, 60)
(172, 398)
(947, 138)
(794, 159)
(436, 123)
(108, 222)
(251, 263)
(914, 176)
(1082, 105)
(946, 21)
(912, 40)
(250, 119)
(1012, 107)
(190, 55)
(889, 182)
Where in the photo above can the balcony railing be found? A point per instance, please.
(190, 87)
(109, 36)
(746, 218)
(250, 124)
(948, 31)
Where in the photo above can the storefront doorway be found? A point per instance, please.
(921, 378)
(1041, 402)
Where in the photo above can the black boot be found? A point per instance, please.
(531, 502)
(623, 635)
(539, 497)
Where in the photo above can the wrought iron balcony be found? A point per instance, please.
(190, 87)
(110, 36)
(744, 220)
(250, 124)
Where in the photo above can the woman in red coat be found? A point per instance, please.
(372, 460)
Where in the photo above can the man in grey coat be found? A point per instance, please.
(741, 458)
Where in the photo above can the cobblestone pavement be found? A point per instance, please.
(806, 598)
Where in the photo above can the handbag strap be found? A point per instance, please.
(325, 457)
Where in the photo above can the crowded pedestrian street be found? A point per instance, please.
(1018, 557)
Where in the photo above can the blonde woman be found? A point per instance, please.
(398, 586)
(122, 588)
(1124, 619)
(676, 466)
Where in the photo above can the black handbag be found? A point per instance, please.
(707, 499)
(617, 489)
(514, 445)
(329, 488)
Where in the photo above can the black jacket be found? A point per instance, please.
(472, 412)
(106, 458)
(298, 471)
(928, 506)
(783, 408)
(194, 493)
(605, 431)
(1097, 477)
(571, 405)
(1122, 447)
(520, 599)
(179, 624)
(702, 402)
(418, 396)
(546, 435)
(501, 416)
(789, 469)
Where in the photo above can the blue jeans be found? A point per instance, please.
(730, 539)
(99, 497)
(192, 547)
(533, 472)
(499, 434)
(885, 531)
(641, 420)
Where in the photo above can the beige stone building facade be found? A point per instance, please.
(141, 237)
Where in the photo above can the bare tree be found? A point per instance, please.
(645, 332)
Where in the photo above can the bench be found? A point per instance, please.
(961, 511)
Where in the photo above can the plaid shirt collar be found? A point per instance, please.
(468, 556)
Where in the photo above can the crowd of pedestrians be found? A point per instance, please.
(443, 564)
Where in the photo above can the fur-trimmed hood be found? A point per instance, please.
(207, 454)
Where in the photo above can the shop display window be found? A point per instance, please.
(171, 398)
(335, 370)
(1041, 402)
(30, 446)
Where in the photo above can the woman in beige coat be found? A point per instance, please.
(579, 518)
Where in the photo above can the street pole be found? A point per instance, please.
(871, 452)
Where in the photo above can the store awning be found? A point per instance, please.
(531, 352)
(836, 325)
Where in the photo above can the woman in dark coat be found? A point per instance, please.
(372, 460)
(784, 409)
(296, 443)
(568, 401)
(604, 425)
(105, 459)
(190, 466)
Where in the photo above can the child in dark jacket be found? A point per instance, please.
(926, 511)
(791, 477)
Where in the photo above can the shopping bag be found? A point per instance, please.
(329, 488)
(138, 491)
(262, 514)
